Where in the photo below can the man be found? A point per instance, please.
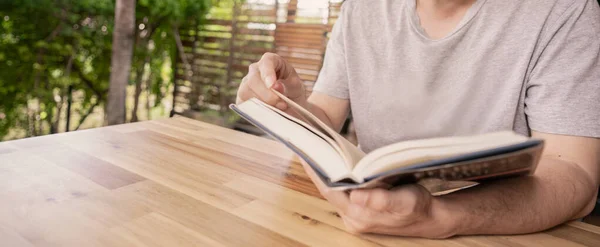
(426, 68)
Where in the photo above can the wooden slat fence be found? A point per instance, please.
(220, 50)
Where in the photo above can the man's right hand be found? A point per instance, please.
(274, 72)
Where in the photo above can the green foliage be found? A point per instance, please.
(38, 38)
(48, 45)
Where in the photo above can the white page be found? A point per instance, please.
(319, 150)
(352, 155)
(408, 153)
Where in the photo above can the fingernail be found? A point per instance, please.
(269, 81)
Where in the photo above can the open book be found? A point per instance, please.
(341, 165)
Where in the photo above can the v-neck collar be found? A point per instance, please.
(416, 22)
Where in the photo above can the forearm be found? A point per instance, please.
(330, 110)
(322, 115)
(559, 191)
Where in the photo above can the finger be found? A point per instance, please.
(355, 226)
(367, 217)
(400, 211)
(361, 214)
(350, 226)
(264, 94)
(339, 199)
(268, 66)
(413, 199)
(273, 68)
(282, 105)
(244, 92)
(376, 199)
(257, 86)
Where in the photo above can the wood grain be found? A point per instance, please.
(180, 182)
(97, 170)
(6, 148)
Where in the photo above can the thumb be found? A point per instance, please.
(274, 69)
(268, 66)
(269, 77)
(278, 86)
(376, 199)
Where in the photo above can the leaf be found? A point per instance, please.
(41, 44)
(49, 25)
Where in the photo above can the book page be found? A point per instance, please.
(314, 130)
(412, 152)
(326, 156)
(438, 187)
(351, 153)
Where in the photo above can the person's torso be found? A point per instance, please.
(404, 85)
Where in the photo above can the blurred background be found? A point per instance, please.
(186, 57)
(180, 57)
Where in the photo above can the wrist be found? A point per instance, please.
(449, 217)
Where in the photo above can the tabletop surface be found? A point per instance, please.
(181, 182)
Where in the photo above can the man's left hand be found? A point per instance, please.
(408, 210)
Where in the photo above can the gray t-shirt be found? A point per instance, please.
(509, 64)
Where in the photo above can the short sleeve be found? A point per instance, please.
(563, 90)
(333, 77)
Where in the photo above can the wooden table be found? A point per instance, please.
(180, 182)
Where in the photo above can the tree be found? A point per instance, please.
(157, 39)
(50, 46)
(47, 46)
(122, 53)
